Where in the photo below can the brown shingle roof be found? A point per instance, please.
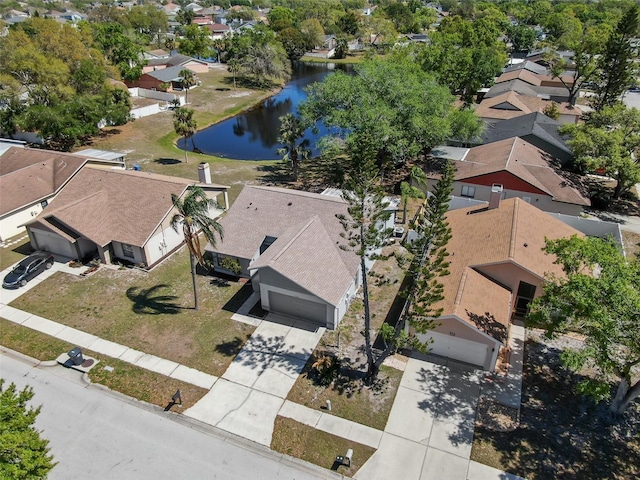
(30, 175)
(511, 104)
(524, 75)
(523, 160)
(513, 233)
(113, 205)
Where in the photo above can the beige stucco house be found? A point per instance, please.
(497, 267)
(31, 178)
(116, 215)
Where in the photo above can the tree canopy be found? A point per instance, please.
(393, 105)
(609, 141)
(599, 297)
(24, 454)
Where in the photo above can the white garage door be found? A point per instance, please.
(298, 307)
(459, 349)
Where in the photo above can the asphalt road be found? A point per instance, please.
(94, 434)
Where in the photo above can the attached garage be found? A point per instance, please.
(51, 242)
(460, 349)
(298, 307)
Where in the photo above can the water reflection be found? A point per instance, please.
(253, 135)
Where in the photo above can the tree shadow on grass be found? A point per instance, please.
(147, 301)
(276, 173)
(167, 161)
(563, 435)
(232, 347)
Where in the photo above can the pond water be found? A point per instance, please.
(253, 135)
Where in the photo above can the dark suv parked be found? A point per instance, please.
(27, 269)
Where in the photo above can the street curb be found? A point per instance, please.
(189, 422)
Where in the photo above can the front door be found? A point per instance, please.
(526, 293)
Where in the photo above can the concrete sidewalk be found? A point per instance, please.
(430, 428)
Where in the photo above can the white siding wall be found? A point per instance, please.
(11, 224)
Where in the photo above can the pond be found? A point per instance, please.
(252, 135)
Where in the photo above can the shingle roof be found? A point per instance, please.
(523, 75)
(513, 233)
(112, 205)
(525, 88)
(523, 160)
(306, 254)
(536, 123)
(167, 74)
(527, 65)
(31, 175)
(259, 212)
(511, 105)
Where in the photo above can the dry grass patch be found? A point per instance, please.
(317, 447)
(14, 253)
(350, 399)
(149, 311)
(125, 378)
(631, 242)
(561, 434)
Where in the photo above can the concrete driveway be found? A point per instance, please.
(430, 429)
(248, 396)
(60, 265)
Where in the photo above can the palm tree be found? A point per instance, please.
(412, 188)
(192, 214)
(188, 81)
(185, 125)
(292, 129)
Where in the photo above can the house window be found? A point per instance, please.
(127, 250)
(468, 191)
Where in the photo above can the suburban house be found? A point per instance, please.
(510, 104)
(497, 267)
(177, 60)
(165, 79)
(519, 168)
(288, 242)
(116, 215)
(537, 129)
(30, 179)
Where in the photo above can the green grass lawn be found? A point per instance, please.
(149, 311)
(314, 446)
(125, 378)
(14, 253)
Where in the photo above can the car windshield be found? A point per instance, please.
(20, 269)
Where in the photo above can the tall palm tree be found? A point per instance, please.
(185, 125)
(292, 129)
(188, 81)
(192, 214)
(413, 188)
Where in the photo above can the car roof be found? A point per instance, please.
(34, 256)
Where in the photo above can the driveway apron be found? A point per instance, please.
(246, 399)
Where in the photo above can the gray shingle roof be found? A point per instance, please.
(315, 259)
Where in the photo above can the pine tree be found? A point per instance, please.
(616, 67)
(24, 455)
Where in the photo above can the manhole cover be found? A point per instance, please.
(87, 363)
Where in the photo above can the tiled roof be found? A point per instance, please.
(259, 212)
(31, 175)
(513, 233)
(113, 205)
(523, 160)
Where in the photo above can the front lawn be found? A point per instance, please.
(149, 311)
(561, 435)
(314, 446)
(124, 378)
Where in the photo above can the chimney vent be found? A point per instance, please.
(496, 196)
(204, 173)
